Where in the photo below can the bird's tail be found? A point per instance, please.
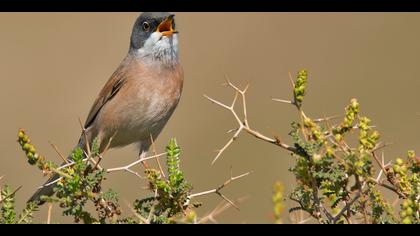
(47, 189)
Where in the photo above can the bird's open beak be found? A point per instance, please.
(165, 27)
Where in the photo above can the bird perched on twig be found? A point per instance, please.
(141, 95)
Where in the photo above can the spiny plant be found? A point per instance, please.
(337, 182)
(80, 184)
(8, 214)
(171, 192)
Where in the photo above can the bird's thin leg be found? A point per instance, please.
(142, 155)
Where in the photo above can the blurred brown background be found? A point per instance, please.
(54, 64)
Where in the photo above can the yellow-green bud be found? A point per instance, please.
(375, 135)
(308, 122)
(411, 154)
(366, 120)
(32, 149)
(26, 146)
(91, 194)
(407, 203)
(70, 171)
(300, 90)
(332, 198)
(409, 211)
(278, 209)
(303, 73)
(354, 104)
(399, 161)
(406, 221)
(338, 137)
(192, 216)
(336, 210)
(330, 151)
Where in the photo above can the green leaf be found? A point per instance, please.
(176, 177)
(8, 213)
(26, 216)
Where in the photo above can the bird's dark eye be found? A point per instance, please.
(146, 26)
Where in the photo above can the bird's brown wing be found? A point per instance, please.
(111, 88)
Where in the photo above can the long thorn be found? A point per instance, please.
(58, 152)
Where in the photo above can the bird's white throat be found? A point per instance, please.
(158, 48)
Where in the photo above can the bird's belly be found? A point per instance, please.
(143, 118)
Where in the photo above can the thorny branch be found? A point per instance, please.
(312, 133)
(346, 208)
(243, 124)
(91, 154)
(10, 195)
(128, 167)
(384, 169)
(217, 211)
(220, 187)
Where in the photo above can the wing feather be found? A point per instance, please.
(111, 88)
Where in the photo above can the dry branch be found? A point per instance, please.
(243, 123)
(127, 167)
(220, 187)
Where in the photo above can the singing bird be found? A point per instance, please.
(141, 95)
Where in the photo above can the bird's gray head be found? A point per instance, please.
(154, 38)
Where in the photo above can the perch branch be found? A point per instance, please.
(127, 167)
(60, 168)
